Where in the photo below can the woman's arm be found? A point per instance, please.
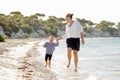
(80, 28)
(82, 38)
(63, 37)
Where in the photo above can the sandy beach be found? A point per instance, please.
(20, 60)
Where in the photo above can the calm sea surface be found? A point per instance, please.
(99, 59)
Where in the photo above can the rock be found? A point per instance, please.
(34, 35)
(19, 34)
(118, 33)
(60, 33)
(1, 31)
(86, 34)
(41, 32)
(97, 33)
(105, 34)
(13, 35)
(38, 33)
(114, 33)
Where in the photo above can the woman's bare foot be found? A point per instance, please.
(75, 70)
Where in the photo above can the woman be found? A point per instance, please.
(73, 33)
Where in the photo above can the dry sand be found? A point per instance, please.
(19, 60)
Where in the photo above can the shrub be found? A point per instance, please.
(2, 38)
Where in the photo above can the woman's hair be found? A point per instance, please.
(69, 15)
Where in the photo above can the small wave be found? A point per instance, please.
(92, 77)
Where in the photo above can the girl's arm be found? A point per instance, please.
(45, 45)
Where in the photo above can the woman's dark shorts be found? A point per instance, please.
(73, 43)
(48, 56)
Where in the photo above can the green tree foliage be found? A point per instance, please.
(40, 15)
(16, 21)
(50, 25)
(61, 23)
(26, 28)
(105, 26)
(15, 12)
(87, 24)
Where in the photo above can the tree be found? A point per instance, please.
(105, 25)
(61, 23)
(15, 12)
(26, 28)
(87, 24)
(60, 20)
(33, 21)
(2, 20)
(40, 15)
(15, 20)
(50, 25)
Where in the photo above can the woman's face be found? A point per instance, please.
(67, 19)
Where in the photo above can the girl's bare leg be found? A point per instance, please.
(45, 63)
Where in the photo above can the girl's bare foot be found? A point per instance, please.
(68, 65)
(45, 66)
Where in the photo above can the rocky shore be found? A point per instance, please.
(42, 33)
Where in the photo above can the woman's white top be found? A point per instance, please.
(74, 30)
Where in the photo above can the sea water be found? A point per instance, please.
(99, 59)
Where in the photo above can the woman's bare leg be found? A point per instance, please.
(69, 57)
(75, 52)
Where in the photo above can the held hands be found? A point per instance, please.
(58, 39)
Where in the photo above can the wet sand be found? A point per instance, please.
(94, 64)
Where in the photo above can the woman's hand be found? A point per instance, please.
(82, 38)
(59, 38)
(83, 41)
